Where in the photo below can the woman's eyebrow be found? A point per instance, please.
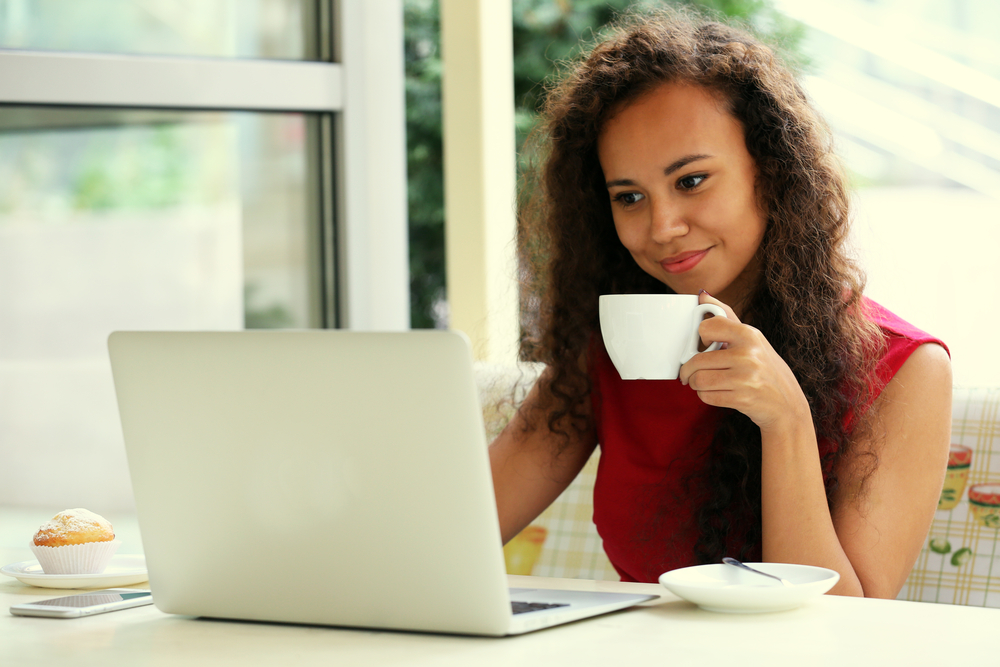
(683, 162)
(674, 166)
(620, 181)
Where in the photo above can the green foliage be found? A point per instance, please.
(258, 316)
(546, 33)
(424, 159)
(139, 168)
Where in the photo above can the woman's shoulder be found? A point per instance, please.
(902, 340)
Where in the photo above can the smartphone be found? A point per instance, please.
(85, 604)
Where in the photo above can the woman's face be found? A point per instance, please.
(681, 184)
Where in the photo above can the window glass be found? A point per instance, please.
(279, 29)
(118, 219)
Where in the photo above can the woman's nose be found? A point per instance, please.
(667, 223)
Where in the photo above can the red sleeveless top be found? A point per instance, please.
(654, 436)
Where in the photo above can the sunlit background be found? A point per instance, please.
(117, 219)
(912, 92)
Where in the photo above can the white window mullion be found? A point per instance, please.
(38, 77)
(372, 238)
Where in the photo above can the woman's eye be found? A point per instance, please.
(691, 182)
(629, 198)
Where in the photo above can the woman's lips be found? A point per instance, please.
(684, 261)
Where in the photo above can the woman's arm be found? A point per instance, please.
(883, 524)
(879, 522)
(878, 528)
(532, 466)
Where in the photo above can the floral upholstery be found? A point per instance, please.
(960, 561)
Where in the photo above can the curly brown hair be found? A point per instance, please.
(807, 296)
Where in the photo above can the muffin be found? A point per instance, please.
(75, 541)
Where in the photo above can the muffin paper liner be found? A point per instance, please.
(88, 558)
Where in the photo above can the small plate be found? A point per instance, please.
(719, 587)
(123, 570)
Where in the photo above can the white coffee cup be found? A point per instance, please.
(649, 336)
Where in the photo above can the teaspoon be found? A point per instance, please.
(732, 561)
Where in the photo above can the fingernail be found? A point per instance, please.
(704, 292)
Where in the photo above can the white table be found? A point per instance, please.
(828, 631)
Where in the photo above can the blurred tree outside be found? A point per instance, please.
(546, 33)
(424, 163)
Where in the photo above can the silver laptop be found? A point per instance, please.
(321, 477)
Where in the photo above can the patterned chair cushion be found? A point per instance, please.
(960, 561)
(572, 548)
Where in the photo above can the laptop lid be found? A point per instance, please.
(322, 477)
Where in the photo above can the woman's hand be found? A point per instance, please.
(746, 374)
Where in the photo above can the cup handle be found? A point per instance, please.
(699, 314)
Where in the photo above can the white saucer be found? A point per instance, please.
(725, 588)
(123, 570)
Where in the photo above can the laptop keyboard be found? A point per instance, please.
(524, 607)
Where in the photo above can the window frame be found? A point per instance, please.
(356, 88)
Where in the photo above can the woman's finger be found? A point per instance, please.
(705, 297)
(721, 330)
(704, 361)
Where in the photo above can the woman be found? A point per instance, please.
(683, 158)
